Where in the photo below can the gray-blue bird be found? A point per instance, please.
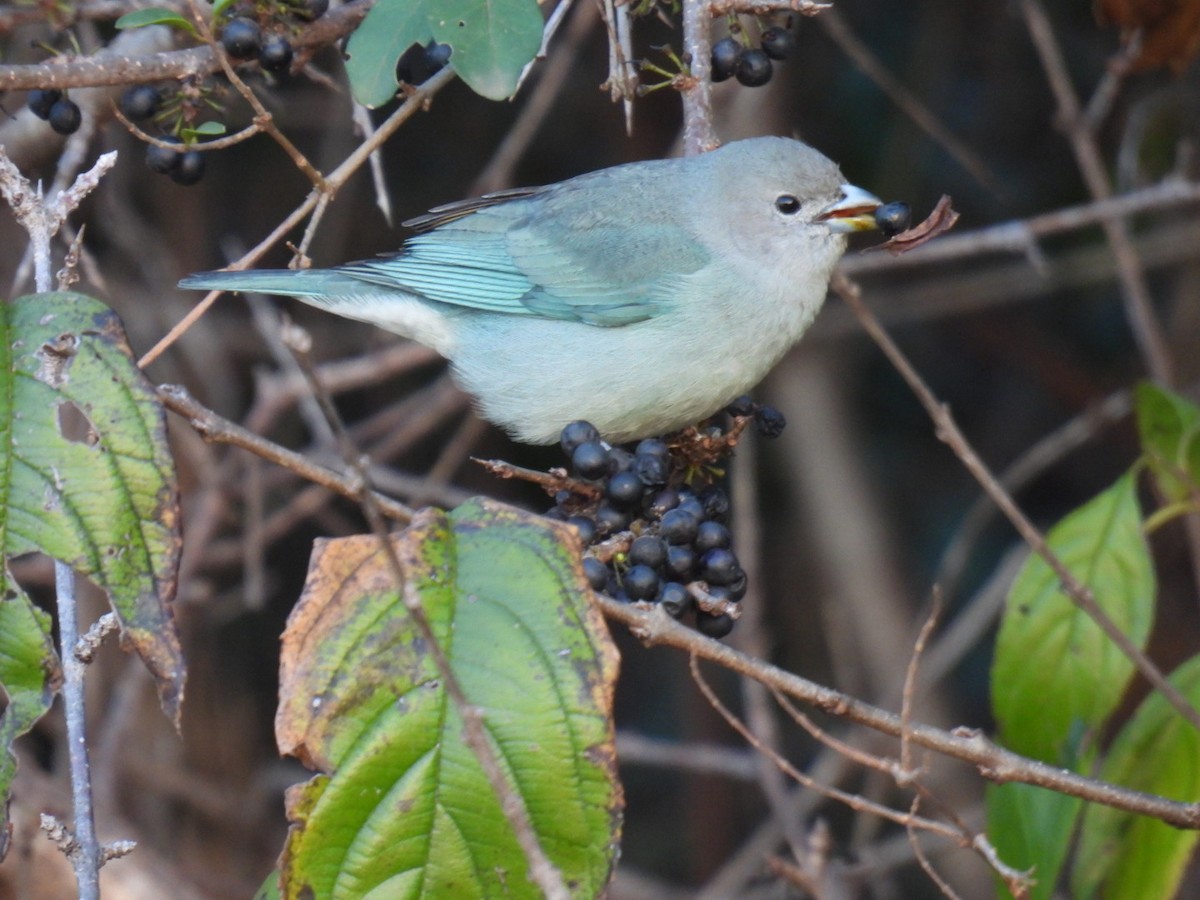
(642, 298)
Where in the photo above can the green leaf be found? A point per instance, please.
(1169, 427)
(402, 808)
(1030, 827)
(219, 7)
(390, 28)
(1056, 676)
(29, 676)
(87, 476)
(493, 40)
(1126, 857)
(155, 15)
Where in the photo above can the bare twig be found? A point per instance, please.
(216, 428)
(1139, 308)
(993, 762)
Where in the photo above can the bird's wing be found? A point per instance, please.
(542, 254)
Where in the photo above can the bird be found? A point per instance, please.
(641, 298)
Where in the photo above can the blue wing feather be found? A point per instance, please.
(551, 254)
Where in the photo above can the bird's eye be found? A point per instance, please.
(787, 204)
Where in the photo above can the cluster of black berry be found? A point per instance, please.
(56, 108)
(751, 65)
(420, 62)
(654, 531)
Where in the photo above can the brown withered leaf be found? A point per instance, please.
(1170, 30)
(939, 221)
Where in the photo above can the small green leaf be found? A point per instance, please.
(204, 129)
(1126, 857)
(402, 808)
(493, 40)
(390, 28)
(29, 677)
(1030, 827)
(155, 15)
(1169, 427)
(219, 7)
(89, 478)
(1056, 676)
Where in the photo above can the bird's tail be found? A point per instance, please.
(317, 283)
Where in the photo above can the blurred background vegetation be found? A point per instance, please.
(845, 522)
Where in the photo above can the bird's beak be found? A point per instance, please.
(855, 211)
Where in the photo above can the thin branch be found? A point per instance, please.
(217, 429)
(1020, 236)
(968, 744)
(948, 432)
(1139, 307)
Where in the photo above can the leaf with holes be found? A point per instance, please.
(491, 41)
(86, 474)
(403, 808)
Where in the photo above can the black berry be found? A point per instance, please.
(681, 562)
(742, 406)
(241, 38)
(754, 68)
(65, 117)
(276, 53)
(719, 566)
(595, 572)
(716, 504)
(690, 504)
(679, 526)
(190, 169)
(139, 102)
(711, 535)
(648, 550)
(312, 9)
(40, 101)
(714, 626)
(893, 218)
(624, 489)
(641, 583)
(162, 160)
(620, 460)
(737, 587)
(590, 460)
(675, 599)
(778, 43)
(769, 422)
(652, 470)
(667, 498)
(586, 528)
(610, 520)
(437, 56)
(725, 53)
(653, 447)
(576, 433)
